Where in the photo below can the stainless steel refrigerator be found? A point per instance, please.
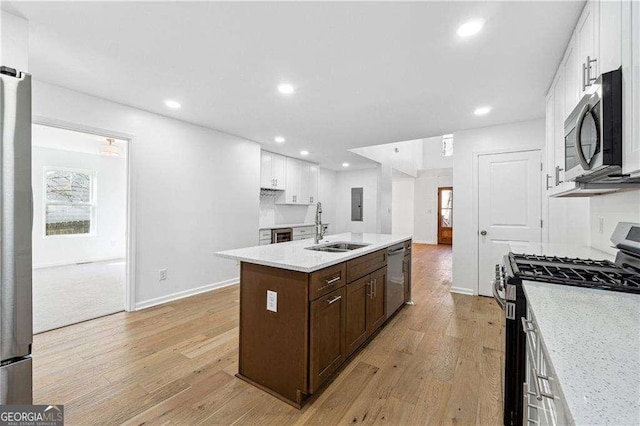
(16, 220)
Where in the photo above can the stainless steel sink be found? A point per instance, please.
(340, 247)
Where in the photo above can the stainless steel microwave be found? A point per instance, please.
(593, 133)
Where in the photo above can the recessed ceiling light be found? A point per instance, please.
(286, 89)
(304, 153)
(172, 104)
(345, 164)
(470, 28)
(279, 139)
(483, 110)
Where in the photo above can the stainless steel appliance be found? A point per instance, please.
(622, 275)
(394, 292)
(281, 235)
(593, 134)
(16, 217)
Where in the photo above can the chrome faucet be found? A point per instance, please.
(320, 229)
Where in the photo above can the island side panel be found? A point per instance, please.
(274, 345)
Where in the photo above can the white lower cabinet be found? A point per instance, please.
(305, 233)
(543, 401)
(265, 237)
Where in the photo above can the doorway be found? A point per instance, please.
(445, 215)
(509, 208)
(80, 221)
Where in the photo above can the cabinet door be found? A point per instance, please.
(571, 73)
(376, 308)
(326, 346)
(587, 44)
(313, 184)
(609, 58)
(304, 183)
(278, 171)
(292, 189)
(406, 268)
(266, 179)
(550, 147)
(558, 125)
(356, 328)
(631, 86)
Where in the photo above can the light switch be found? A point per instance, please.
(272, 301)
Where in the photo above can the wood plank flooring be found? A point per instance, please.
(438, 362)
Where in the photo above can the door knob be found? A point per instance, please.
(483, 232)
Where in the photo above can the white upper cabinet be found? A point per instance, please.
(610, 36)
(302, 183)
(559, 91)
(550, 147)
(631, 87)
(587, 41)
(272, 171)
(571, 80)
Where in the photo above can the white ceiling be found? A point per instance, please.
(366, 73)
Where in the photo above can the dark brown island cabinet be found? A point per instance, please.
(297, 329)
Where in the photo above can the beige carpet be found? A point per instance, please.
(65, 295)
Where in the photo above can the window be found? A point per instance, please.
(447, 145)
(69, 202)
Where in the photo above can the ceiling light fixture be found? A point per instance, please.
(483, 110)
(286, 89)
(470, 28)
(172, 104)
(279, 139)
(109, 149)
(304, 153)
(345, 164)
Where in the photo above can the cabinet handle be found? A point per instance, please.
(558, 170)
(333, 280)
(335, 299)
(311, 199)
(548, 177)
(584, 76)
(374, 288)
(525, 325)
(370, 294)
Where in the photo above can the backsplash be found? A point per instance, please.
(274, 214)
(605, 213)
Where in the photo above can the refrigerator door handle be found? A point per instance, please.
(16, 331)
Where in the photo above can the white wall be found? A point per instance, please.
(14, 42)
(402, 206)
(196, 191)
(612, 208)
(108, 241)
(432, 154)
(425, 228)
(367, 179)
(514, 136)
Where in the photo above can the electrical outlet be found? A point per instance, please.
(163, 274)
(601, 225)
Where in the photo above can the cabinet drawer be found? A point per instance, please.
(308, 230)
(265, 234)
(302, 237)
(327, 280)
(364, 265)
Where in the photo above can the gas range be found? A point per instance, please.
(601, 274)
(623, 275)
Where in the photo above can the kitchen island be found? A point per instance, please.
(305, 308)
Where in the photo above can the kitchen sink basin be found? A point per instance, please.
(337, 247)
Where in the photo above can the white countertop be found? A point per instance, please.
(593, 340)
(289, 225)
(293, 255)
(561, 250)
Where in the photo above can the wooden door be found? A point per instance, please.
(356, 328)
(327, 328)
(376, 306)
(509, 208)
(445, 215)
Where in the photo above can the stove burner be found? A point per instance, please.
(578, 272)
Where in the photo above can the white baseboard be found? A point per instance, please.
(424, 242)
(75, 262)
(186, 293)
(461, 290)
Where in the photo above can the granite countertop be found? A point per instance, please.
(293, 255)
(289, 225)
(592, 337)
(561, 250)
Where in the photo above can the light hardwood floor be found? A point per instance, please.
(438, 362)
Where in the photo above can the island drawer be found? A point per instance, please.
(327, 280)
(363, 265)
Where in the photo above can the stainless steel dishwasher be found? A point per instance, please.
(395, 278)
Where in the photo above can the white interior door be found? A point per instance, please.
(509, 208)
